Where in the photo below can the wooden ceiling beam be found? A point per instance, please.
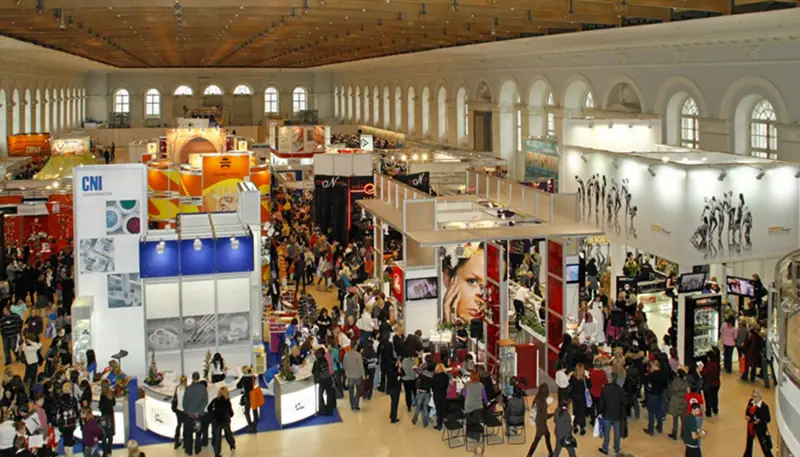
(714, 6)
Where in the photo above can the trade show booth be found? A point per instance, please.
(340, 180)
(451, 242)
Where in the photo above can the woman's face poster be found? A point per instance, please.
(464, 283)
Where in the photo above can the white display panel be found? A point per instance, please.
(119, 426)
(197, 297)
(421, 314)
(110, 212)
(162, 300)
(299, 405)
(624, 135)
(160, 419)
(687, 213)
(233, 294)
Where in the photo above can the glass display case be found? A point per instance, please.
(82, 309)
(508, 364)
(706, 330)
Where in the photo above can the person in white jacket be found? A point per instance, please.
(366, 326)
(7, 433)
(589, 331)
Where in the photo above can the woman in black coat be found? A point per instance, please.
(221, 413)
(579, 384)
(441, 380)
(758, 419)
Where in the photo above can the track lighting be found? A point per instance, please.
(722, 175)
(651, 170)
(615, 163)
(760, 174)
(584, 158)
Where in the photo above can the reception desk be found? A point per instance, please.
(296, 400)
(156, 406)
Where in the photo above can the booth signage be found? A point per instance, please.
(397, 283)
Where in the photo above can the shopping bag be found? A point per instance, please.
(598, 429)
(742, 365)
(532, 416)
(588, 397)
(256, 398)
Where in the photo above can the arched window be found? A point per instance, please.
(28, 112)
(358, 104)
(3, 114)
(342, 102)
(441, 111)
(763, 131)
(366, 105)
(15, 113)
(350, 103)
(398, 108)
(376, 106)
(689, 125)
(242, 90)
(38, 114)
(183, 91)
(426, 111)
(519, 124)
(271, 100)
(299, 100)
(336, 103)
(386, 110)
(411, 118)
(122, 101)
(588, 100)
(152, 103)
(212, 90)
(551, 117)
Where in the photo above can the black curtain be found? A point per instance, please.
(330, 206)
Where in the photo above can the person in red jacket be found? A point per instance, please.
(711, 382)
(752, 352)
(597, 381)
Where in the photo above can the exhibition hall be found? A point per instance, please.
(406, 228)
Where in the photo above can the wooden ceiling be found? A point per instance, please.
(308, 33)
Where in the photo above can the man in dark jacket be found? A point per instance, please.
(612, 406)
(413, 343)
(387, 361)
(10, 327)
(195, 400)
(758, 418)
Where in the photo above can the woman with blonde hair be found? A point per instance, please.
(221, 414)
(177, 408)
(133, 449)
(440, 383)
(248, 383)
(107, 402)
(579, 394)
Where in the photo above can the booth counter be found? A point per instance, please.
(121, 417)
(156, 406)
(298, 399)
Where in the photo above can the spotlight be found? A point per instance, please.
(424, 156)
(722, 175)
(415, 157)
(615, 162)
(651, 170)
(584, 158)
(665, 159)
(198, 245)
(234, 242)
(797, 173)
(160, 247)
(760, 174)
(591, 124)
(611, 124)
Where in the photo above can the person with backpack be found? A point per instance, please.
(67, 417)
(177, 408)
(322, 371)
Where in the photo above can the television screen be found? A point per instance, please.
(740, 286)
(422, 289)
(572, 273)
(691, 282)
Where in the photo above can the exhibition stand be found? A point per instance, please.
(33, 146)
(725, 215)
(340, 180)
(474, 229)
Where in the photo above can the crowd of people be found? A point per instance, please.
(354, 141)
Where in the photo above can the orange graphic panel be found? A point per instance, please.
(163, 176)
(221, 177)
(34, 145)
(260, 178)
(163, 208)
(191, 183)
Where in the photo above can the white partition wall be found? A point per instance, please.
(107, 257)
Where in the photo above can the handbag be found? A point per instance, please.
(569, 442)
(587, 395)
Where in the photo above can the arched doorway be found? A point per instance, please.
(28, 112)
(16, 125)
(426, 111)
(442, 113)
(196, 146)
(411, 102)
(507, 101)
(3, 125)
(38, 111)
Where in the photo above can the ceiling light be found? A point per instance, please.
(651, 170)
(584, 158)
(198, 245)
(704, 159)
(415, 157)
(160, 247)
(234, 243)
(722, 175)
(760, 174)
(665, 159)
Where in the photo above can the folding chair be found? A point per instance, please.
(453, 432)
(493, 429)
(474, 431)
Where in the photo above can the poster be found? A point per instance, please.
(221, 177)
(542, 159)
(464, 283)
(107, 256)
(260, 177)
(70, 146)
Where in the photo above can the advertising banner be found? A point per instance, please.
(34, 145)
(107, 256)
(397, 283)
(542, 159)
(191, 183)
(260, 177)
(221, 177)
(70, 146)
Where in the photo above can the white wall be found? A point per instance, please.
(137, 82)
(719, 62)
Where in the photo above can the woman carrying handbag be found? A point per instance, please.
(580, 397)
(563, 430)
